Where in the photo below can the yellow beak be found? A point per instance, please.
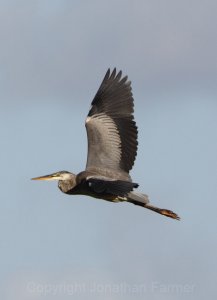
(54, 176)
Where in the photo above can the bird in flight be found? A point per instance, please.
(112, 148)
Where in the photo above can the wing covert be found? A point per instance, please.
(113, 187)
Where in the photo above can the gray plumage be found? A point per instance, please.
(112, 148)
(111, 129)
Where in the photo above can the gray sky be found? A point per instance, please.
(53, 56)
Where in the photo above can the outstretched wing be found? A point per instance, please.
(111, 129)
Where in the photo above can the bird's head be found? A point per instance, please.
(61, 175)
(67, 180)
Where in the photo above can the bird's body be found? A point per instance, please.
(112, 148)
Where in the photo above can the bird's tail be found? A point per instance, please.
(142, 200)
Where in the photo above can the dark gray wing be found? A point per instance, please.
(111, 129)
(112, 187)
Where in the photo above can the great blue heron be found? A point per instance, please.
(112, 148)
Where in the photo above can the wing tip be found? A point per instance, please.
(117, 75)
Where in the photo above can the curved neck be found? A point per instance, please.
(66, 185)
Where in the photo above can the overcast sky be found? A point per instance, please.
(53, 56)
